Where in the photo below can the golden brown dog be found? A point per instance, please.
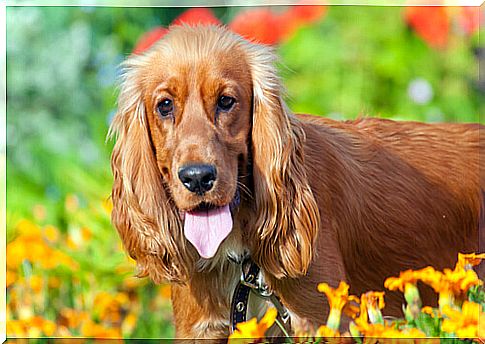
(210, 164)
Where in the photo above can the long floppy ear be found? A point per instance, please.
(287, 214)
(144, 216)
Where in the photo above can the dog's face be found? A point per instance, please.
(199, 112)
(192, 112)
(198, 104)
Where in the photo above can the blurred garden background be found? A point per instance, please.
(67, 274)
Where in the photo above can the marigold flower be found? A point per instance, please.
(11, 277)
(462, 323)
(399, 283)
(51, 233)
(129, 323)
(337, 299)
(36, 283)
(253, 329)
(431, 311)
(375, 302)
(92, 329)
(467, 261)
(71, 318)
(450, 284)
(325, 331)
(165, 291)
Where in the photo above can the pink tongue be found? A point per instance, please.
(207, 229)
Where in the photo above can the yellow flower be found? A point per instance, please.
(108, 205)
(11, 277)
(464, 323)
(324, 332)
(86, 233)
(399, 283)
(71, 318)
(450, 284)
(374, 303)
(165, 291)
(431, 311)
(36, 283)
(16, 328)
(51, 233)
(337, 299)
(129, 323)
(92, 329)
(252, 329)
(467, 261)
(28, 230)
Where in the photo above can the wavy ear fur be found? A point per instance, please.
(144, 216)
(287, 214)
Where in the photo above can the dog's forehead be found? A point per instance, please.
(186, 67)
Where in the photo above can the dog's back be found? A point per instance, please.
(396, 195)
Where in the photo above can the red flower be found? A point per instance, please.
(431, 23)
(259, 25)
(149, 38)
(470, 19)
(299, 15)
(198, 15)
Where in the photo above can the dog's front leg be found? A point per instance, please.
(197, 318)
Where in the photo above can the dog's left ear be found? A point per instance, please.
(287, 214)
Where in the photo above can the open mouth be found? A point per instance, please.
(207, 225)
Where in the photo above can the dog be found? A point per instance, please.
(210, 166)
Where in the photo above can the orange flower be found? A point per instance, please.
(431, 311)
(165, 291)
(299, 15)
(325, 332)
(129, 323)
(431, 23)
(467, 261)
(144, 43)
(399, 283)
(464, 323)
(51, 233)
(71, 318)
(195, 16)
(260, 25)
(92, 329)
(11, 277)
(36, 283)
(252, 329)
(469, 19)
(337, 299)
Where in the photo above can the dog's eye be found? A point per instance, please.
(165, 107)
(225, 103)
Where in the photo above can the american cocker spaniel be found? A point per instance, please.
(210, 166)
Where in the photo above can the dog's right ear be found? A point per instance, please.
(144, 216)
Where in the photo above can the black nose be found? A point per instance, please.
(198, 178)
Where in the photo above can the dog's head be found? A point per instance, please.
(201, 119)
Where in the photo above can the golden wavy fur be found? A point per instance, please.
(321, 201)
